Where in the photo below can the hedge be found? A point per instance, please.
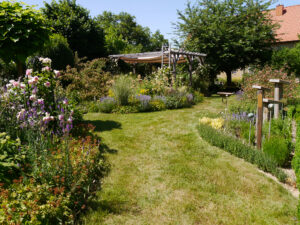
(237, 148)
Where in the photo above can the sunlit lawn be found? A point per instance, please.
(163, 173)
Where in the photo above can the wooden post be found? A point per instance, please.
(174, 67)
(134, 68)
(169, 55)
(190, 70)
(260, 96)
(162, 56)
(278, 93)
(259, 114)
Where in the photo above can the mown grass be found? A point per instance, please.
(163, 173)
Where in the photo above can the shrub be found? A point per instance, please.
(143, 103)
(11, 157)
(198, 97)
(277, 148)
(122, 90)
(59, 51)
(296, 161)
(89, 81)
(262, 77)
(157, 105)
(107, 104)
(237, 148)
(287, 58)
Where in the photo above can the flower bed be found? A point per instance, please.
(47, 172)
(145, 95)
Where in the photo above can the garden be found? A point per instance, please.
(84, 140)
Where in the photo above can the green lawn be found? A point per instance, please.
(163, 173)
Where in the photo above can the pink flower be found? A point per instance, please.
(36, 79)
(57, 73)
(28, 72)
(48, 118)
(47, 68)
(16, 84)
(22, 85)
(47, 84)
(65, 102)
(40, 101)
(32, 97)
(61, 117)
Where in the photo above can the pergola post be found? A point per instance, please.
(190, 59)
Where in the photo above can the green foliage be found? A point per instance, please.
(11, 157)
(7, 70)
(124, 35)
(241, 129)
(237, 148)
(262, 77)
(122, 90)
(59, 51)
(75, 24)
(198, 97)
(242, 105)
(88, 81)
(23, 31)
(296, 161)
(157, 105)
(277, 148)
(233, 33)
(287, 58)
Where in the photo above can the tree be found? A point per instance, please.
(233, 33)
(23, 31)
(58, 50)
(124, 35)
(75, 24)
(287, 58)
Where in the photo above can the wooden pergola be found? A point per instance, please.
(166, 56)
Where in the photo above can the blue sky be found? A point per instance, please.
(155, 14)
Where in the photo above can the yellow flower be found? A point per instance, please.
(143, 91)
(110, 93)
(217, 123)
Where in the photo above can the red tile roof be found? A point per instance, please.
(289, 23)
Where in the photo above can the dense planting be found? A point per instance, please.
(239, 149)
(49, 165)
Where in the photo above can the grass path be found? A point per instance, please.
(163, 173)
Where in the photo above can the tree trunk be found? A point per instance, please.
(228, 75)
(20, 68)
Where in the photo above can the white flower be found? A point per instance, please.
(9, 85)
(47, 61)
(57, 73)
(65, 102)
(32, 97)
(61, 117)
(47, 68)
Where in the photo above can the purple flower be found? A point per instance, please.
(190, 97)
(107, 99)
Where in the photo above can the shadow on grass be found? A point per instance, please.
(105, 125)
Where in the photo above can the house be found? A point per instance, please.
(289, 20)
